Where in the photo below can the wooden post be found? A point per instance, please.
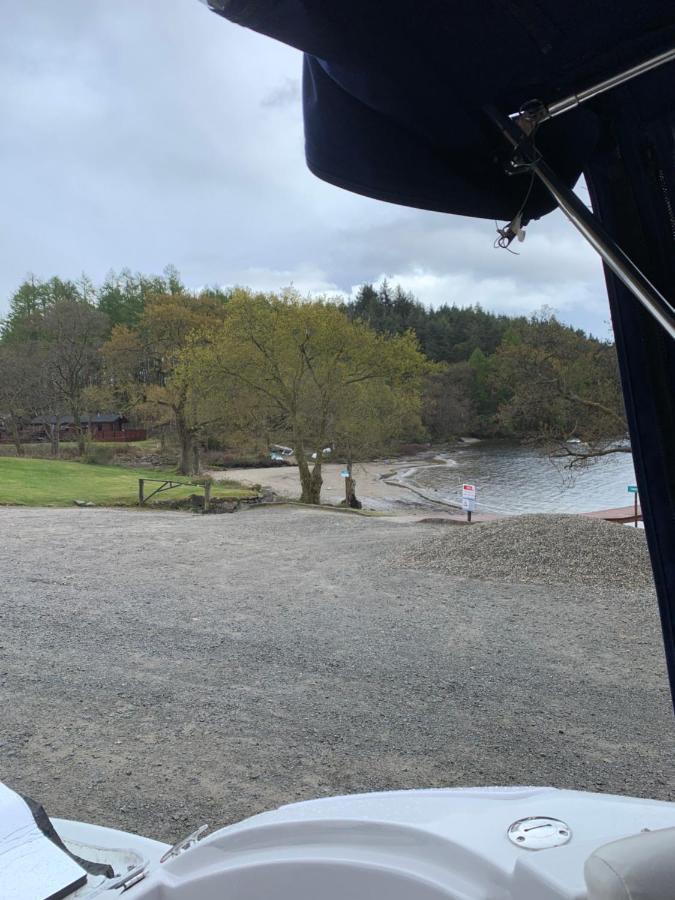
(141, 485)
(350, 485)
(207, 495)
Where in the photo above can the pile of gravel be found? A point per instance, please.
(543, 549)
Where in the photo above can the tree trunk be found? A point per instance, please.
(316, 480)
(16, 438)
(310, 480)
(305, 477)
(55, 437)
(81, 442)
(189, 454)
(350, 489)
(79, 431)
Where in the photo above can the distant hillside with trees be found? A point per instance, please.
(526, 378)
(236, 368)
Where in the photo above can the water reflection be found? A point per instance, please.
(513, 479)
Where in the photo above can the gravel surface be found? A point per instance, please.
(539, 549)
(160, 669)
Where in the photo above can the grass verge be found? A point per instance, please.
(43, 482)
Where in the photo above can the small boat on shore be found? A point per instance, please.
(279, 453)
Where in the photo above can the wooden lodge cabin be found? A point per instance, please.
(101, 427)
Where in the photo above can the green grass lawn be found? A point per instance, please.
(44, 482)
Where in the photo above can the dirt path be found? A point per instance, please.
(376, 484)
(159, 670)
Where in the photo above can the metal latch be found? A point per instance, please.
(185, 843)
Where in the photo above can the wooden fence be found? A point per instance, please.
(131, 434)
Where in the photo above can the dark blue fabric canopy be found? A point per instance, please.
(631, 179)
(394, 101)
(394, 92)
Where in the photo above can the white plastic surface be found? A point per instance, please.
(31, 866)
(119, 849)
(405, 845)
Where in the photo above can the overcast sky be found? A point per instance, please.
(144, 132)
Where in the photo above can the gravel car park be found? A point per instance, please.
(163, 669)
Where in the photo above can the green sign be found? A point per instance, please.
(632, 489)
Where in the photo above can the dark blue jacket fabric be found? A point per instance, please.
(394, 92)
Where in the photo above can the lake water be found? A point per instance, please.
(514, 479)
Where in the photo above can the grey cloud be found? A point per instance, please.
(287, 94)
(137, 133)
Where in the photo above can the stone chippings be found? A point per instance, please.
(160, 669)
(538, 549)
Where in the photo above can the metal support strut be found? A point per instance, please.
(527, 158)
(551, 110)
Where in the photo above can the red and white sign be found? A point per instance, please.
(469, 491)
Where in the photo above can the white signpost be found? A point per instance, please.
(469, 499)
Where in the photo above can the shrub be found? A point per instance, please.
(99, 454)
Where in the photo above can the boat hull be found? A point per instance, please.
(403, 845)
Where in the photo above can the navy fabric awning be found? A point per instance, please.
(394, 92)
(631, 180)
(394, 105)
